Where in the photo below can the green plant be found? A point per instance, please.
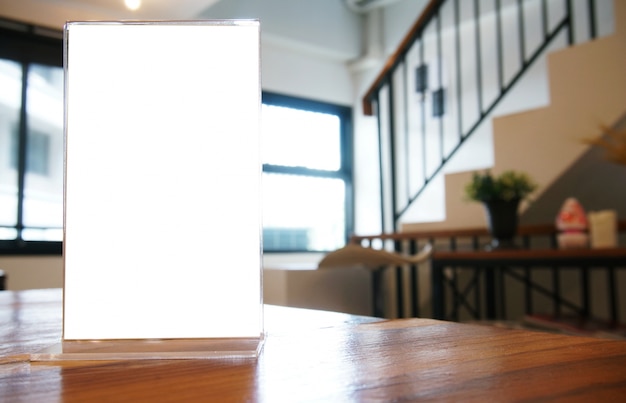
(507, 186)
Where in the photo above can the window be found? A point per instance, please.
(31, 139)
(37, 152)
(307, 165)
(307, 174)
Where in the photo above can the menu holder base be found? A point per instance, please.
(151, 349)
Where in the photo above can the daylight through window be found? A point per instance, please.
(307, 178)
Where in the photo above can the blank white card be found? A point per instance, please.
(162, 188)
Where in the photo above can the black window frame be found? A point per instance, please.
(344, 173)
(28, 45)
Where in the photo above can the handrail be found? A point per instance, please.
(396, 57)
(420, 129)
(526, 230)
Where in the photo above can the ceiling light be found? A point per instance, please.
(132, 4)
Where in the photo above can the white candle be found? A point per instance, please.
(603, 228)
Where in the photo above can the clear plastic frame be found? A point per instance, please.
(162, 225)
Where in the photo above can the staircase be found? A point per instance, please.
(585, 87)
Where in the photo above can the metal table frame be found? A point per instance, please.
(493, 264)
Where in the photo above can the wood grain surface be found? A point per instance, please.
(319, 357)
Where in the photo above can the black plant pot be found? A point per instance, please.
(502, 218)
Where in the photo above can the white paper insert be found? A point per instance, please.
(162, 202)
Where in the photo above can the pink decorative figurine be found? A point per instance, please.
(572, 225)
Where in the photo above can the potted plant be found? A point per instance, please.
(501, 196)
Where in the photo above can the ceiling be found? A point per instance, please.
(54, 13)
(327, 29)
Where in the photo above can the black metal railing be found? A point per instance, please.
(527, 289)
(453, 68)
(405, 280)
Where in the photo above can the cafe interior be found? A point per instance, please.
(444, 199)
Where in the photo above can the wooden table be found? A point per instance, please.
(498, 261)
(319, 356)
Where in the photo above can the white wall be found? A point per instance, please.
(324, 27)
(298, 73)
(304, 45)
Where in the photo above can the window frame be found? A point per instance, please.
(344, 173)
(27, 45)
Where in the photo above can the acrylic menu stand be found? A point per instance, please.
(162, 244)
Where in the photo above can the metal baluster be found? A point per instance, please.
(592, 19)
(586, 293)
(556, 291)
(477, 293)
(413, 248)
(479, 82)
(455, 293)
(440, 84)
(612, 296)
(407, 165)
(556, 284)
(392, 153)
(499, 49)
(544, 19)
(490, 286)
(522, 33)
(525, 241)
(377, 280)
(399, 284)
(457, 34)
(22, 148)
(423, 117)
(569, 22)
(383, 209)
(501, 292)
(528, 294)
